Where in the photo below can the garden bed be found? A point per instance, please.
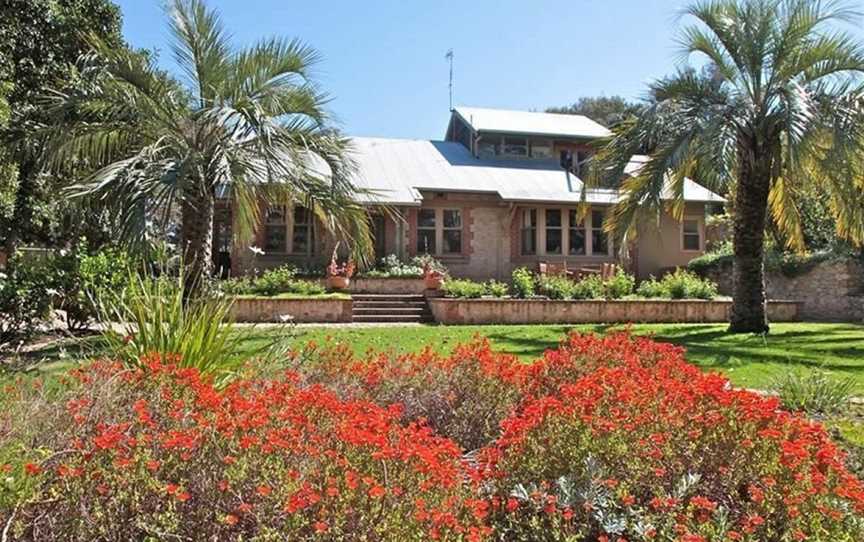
(546, 311)
(329, 308)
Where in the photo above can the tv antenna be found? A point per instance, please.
(449, 56)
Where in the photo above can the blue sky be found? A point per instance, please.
(384, 60)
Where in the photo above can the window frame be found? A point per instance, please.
(445, 229)
(532, 227)
(566, 227)
(310, 231)
(439, 229)
(288, 224)
(571, 213)
(599, 228)
(433, 229)
(700, 233)
(559, 228)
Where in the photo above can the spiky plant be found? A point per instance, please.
(779, 108)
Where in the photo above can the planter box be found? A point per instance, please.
(535, 311)
(371, 285)
(272, 309)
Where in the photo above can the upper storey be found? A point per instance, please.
(500, 133)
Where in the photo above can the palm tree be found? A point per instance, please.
(249, 122)
(780, 108)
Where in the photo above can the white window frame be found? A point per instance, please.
(700, 231)
(439, 231)
(540, 236)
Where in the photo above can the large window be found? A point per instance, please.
(599, 239)
(576, 242)
(282, 236)
(541, 148)
(275, 229)
(554, 231)
(691, 236)
(452, 232)
(529, 232)
(426, 231)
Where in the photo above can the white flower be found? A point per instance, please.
(256, 250)
(286, 318)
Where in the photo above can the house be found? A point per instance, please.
(502, 190)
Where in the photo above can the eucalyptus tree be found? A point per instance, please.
(249, 122)
(779, 110)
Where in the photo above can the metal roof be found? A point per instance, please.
(531, 123)
(396, 170)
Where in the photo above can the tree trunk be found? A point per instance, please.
(196, 233)
(749, 313)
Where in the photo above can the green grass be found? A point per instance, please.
(748, 360)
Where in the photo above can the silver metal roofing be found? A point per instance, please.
(531, 123)
(398, 169)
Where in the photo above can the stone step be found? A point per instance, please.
(389, 297)
(391, 311)
(386, 304)
(392, 318)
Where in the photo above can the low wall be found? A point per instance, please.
(269, 309)
(541, 311)
(830, 290)
(364, 285)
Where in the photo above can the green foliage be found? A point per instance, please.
(496, 289)
(789, 264)
(556, 287)
(154, 316)
(463, 289)
(524, 285)
(273, 282)
(393, 267)
(681, 284)
(25, 298)
(814, 391)
(619, 285)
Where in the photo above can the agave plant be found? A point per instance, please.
(779, 109)
(250, 123)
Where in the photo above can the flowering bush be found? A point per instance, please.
(462, 396)
(159, 453)
(661, 451)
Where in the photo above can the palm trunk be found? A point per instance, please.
(196, 233)
(749, 314)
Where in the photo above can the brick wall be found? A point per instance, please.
(831, 291)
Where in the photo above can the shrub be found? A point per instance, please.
(496, 289)
(590, 287)
(159, 453)
(619, 285)
(556, 287)
(392, 267)
(463, 288)
(273, 282)
(662, 451)
(814, 392)
(25, 299)
(524, 285)
(681, 284)
(462, 396)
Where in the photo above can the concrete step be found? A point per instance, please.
(393, 318)
(388, 304)
(390, 310)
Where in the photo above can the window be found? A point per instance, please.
(452, 232)
(691, 238)
(488, 146)
(301, 238)
(554, 234)
(541, 148)
(529, 232)
(576, 241)
(426, 231)
(275, 229)
(599, 240)
(515, 146)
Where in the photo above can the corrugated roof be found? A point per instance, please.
(398, 169)
(533, 123)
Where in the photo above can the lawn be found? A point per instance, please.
(749, 360)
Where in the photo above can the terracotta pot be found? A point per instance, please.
(338, 282)
(434, 281)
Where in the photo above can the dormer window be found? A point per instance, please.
(488, 146)
(541, 148)
(515, 146)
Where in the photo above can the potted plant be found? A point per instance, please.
(339, 276)
(433, 273)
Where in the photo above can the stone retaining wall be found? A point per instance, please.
(829, 291)
(269, 309)
(531, 311)
(363, 285)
